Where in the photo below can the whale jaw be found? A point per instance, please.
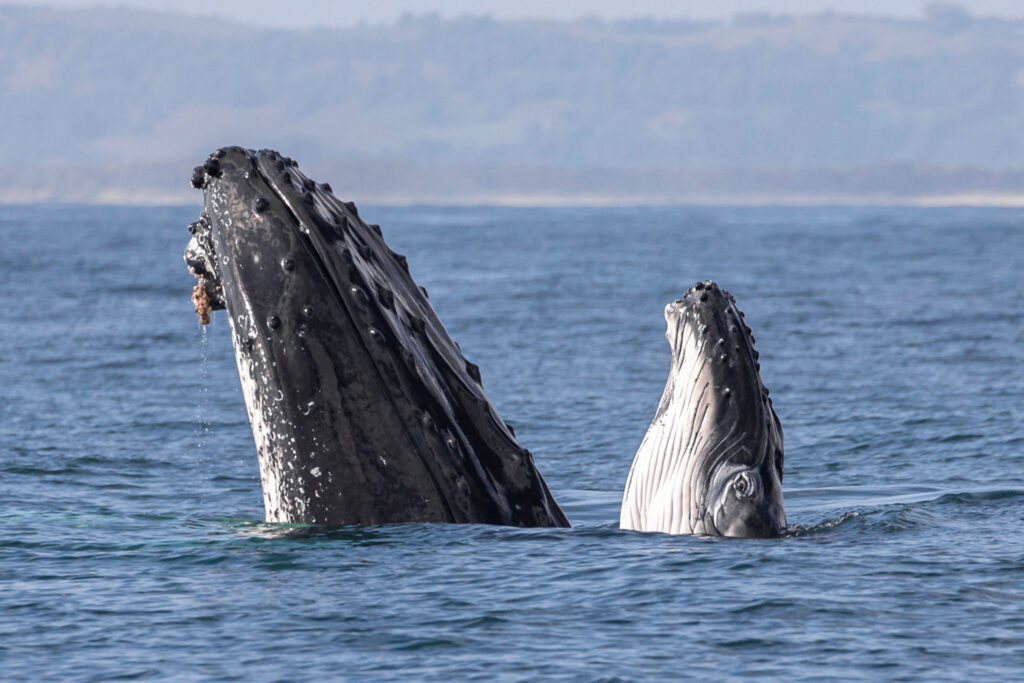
(711, 461)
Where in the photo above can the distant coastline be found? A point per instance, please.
(764, 109)
(977, 200)
(392, 183)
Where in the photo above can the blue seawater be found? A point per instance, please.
(133, 545)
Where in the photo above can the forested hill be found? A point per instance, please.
(118, 105)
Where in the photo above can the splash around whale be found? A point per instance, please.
(364, 410)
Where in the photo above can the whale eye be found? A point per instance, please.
(743, 485)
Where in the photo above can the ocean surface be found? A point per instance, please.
(132, 542)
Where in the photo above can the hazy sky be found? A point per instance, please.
(308, 13)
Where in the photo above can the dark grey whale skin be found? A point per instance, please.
(370, 414)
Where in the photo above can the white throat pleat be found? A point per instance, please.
(664, 487)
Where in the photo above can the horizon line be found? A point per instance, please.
(974, 200)
(923, 15)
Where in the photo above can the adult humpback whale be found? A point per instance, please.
(363, 409)
(711, 461)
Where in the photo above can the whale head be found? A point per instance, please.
(711, 461)
(363, 409)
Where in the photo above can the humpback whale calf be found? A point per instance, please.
(363, 409)
(711, 461)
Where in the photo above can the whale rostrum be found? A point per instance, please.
(363, 409)
(711, 461)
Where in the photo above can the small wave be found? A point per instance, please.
(883, 520)
(767, 604)
(258, 529)
(957, 438)
(799, 530)
(900, 510)
(844, 497)
(416, 533)
(979, 496)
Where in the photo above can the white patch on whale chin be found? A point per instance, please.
(662, 486)
(275, 509)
